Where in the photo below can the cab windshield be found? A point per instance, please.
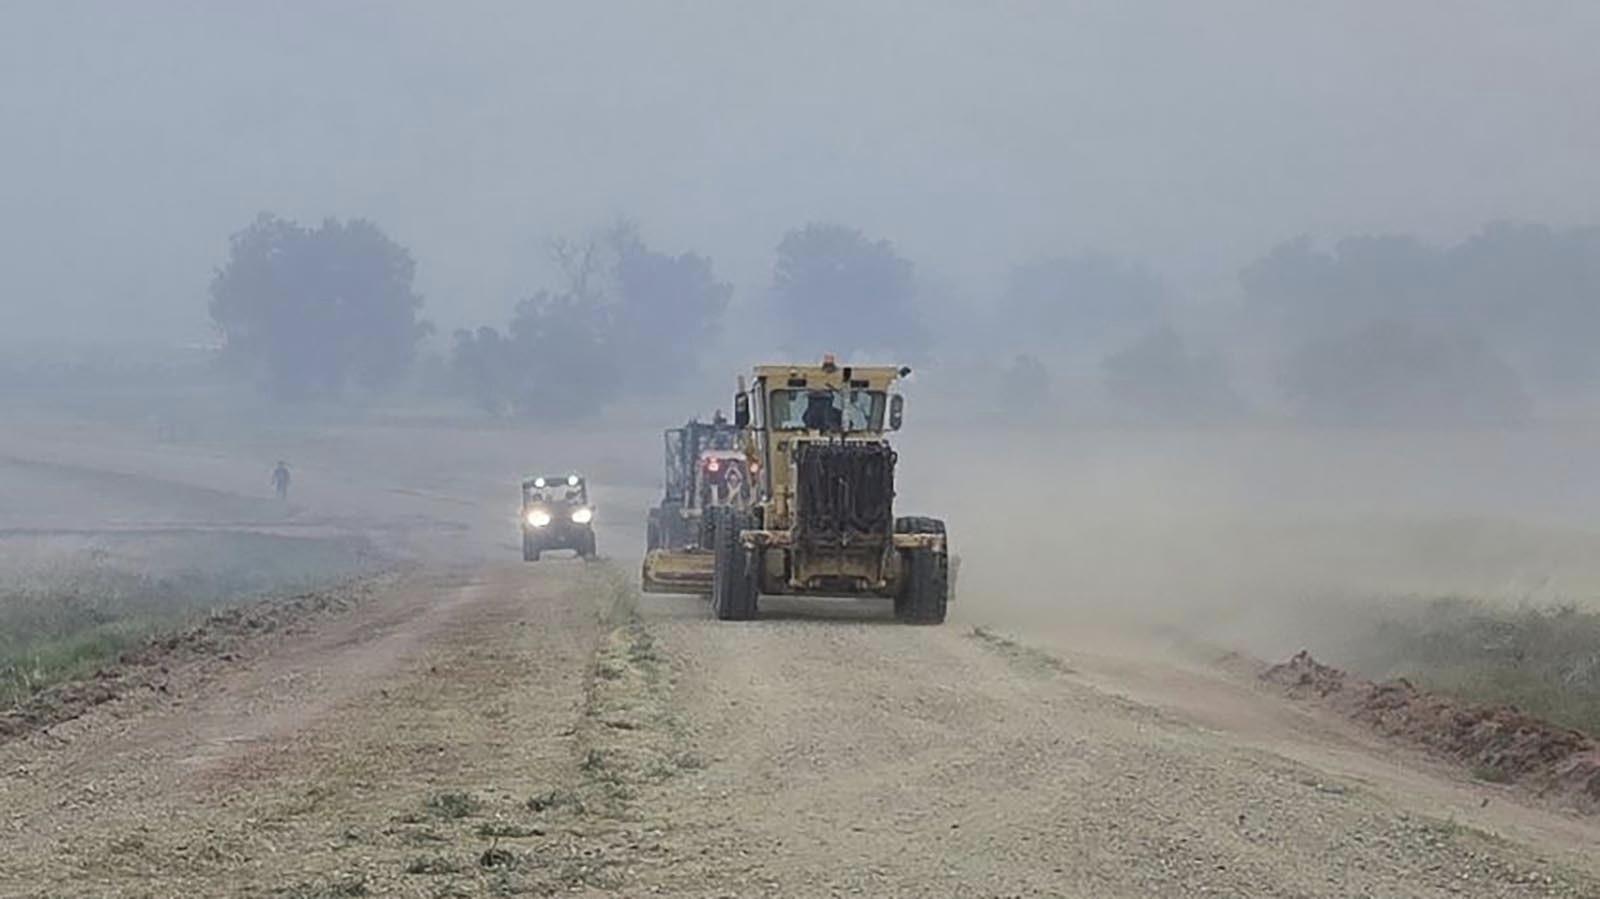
(554, 494)
(827, 410)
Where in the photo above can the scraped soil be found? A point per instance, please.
(1497, 743)
(540, 730)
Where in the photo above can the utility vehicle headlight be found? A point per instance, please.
(582, 516)
(572, 480)
(538, 518)
(538, 482)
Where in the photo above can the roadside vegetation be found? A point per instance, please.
(1542, 659)
(64, 621)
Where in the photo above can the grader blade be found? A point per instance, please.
(677, 571)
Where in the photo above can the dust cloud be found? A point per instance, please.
(1265, 539)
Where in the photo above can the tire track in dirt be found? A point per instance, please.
(335, 760)
(848, 755)
(540, 730)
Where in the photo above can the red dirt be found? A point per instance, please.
(1497, 742)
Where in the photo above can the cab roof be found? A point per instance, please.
(557, 480)
(831, 373)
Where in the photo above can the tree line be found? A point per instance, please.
(1368, 330)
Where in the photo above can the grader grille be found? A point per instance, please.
(844, 491)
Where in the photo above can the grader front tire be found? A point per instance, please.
(733, 582)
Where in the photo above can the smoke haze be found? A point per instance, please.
(1192, 137)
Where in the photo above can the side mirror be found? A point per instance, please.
(741, 410)
(897, 411)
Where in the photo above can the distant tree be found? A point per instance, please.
(484, 368)
(567, 364)
(1306, 291)
(1530, 291)
(839, 291)
(311, 311)
(554, 363)
(624, 314)
(1074, 303)
(1161, 378)
(666, 310)
(1394, 373)
(1536, 291)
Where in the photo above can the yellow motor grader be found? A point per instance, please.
(823, 523)
(707, 467)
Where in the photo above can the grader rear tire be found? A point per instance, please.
(733, 583)
(925, 589)
(925, 594)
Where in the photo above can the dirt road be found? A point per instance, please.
(519, 730)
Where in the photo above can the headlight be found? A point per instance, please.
(538, 518)
(582, 516)
(572, 480)
(538, 482)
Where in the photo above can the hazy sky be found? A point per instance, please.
(136, 135)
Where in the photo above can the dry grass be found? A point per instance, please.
(1542, 659)
(67, 628)
(453, 804)
(64, 620)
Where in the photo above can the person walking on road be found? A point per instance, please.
(280, 481)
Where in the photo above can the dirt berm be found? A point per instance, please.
(1497, 743)
(216, 637)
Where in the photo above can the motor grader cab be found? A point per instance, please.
(674, 523)
(706, 468)
(824, 523)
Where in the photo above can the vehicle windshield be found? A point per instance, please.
(827, 410)
(555, 493)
